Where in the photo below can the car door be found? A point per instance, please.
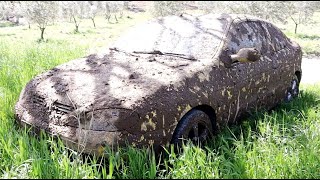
(250, 79)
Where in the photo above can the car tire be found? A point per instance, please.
(293, 89)
(196, 126)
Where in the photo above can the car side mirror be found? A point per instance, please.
(246, 55)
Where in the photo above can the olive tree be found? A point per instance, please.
(40, 12)
(213, 6)
(93, 11)
(11, 11)
(76, 10)
(4, 9)
(270, 10)
(300, 12)
(95, 7)
(164, 8)
(113, 8)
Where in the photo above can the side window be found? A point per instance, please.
(277, 39)
(247, 34)
(244, 34)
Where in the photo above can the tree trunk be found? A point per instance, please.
(108, 17)
(42, 31)
(115, 16)
(295, 29)
(77, 25)
(94, 24)
(126, 5)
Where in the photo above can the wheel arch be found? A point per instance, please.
(208, 110)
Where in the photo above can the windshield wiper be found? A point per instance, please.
(119, 50)
(188, 57)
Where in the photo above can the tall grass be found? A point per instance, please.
(22, 155)
(282, 143)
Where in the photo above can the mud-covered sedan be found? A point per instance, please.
(171, 78)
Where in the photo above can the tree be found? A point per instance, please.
(4, 9)
(10, 11)
(212, 6)
(112, 8)
(40, 12)
(269, 10)
(164, 8)
(276, 11)
(300, 12)
(77, 10)
(93, 10)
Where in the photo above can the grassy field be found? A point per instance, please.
(283, 143)
(307, 36)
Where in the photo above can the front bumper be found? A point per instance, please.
(79, 138)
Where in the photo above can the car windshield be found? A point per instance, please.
(195, 37)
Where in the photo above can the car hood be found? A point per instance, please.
(110, 80)
(74, 93)
(90, 81)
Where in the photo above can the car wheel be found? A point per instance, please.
(293, 89)
(195, 126)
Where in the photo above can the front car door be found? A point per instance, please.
(251, 80)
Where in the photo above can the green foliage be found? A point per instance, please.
(164, 8)
(6, 24)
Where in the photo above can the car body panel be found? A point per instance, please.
(138, 96)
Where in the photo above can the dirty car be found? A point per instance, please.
(166, 79)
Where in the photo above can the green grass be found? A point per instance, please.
(6, 24)
(283, 143)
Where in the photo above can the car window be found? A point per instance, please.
(277, 39)
(246, 34)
